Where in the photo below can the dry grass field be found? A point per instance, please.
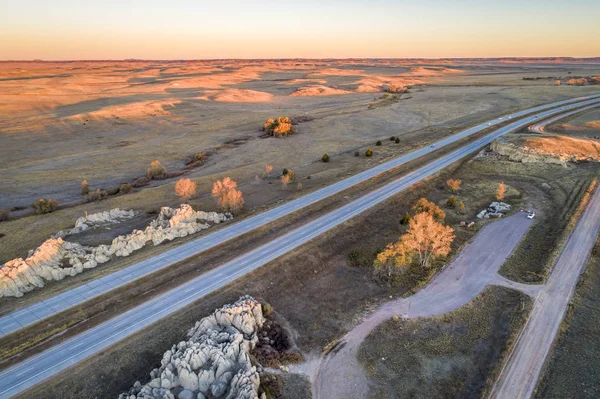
(105, 122)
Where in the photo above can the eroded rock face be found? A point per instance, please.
(214, 362)
(56, 258)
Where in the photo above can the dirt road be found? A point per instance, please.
(519, 377)
(339, 375)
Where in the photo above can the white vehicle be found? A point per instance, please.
(531, 215)
(432, 145)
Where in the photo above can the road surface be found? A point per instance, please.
(540, 127)
(339, 375)
(34, 313)
(520, 374)
(52, 361)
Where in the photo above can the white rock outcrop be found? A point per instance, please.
(100, 219)
(56, 258)
(214, 362)
(496, 209)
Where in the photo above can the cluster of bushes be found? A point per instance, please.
(98, 194)
(392, 88)
(196, 160)
(44, 205)
(282, 126)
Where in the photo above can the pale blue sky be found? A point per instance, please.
(69, 29)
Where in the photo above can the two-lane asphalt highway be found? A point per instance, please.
(32, 314)
(50, 362)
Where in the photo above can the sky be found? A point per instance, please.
(200, 29)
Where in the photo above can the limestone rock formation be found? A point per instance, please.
(94, 220)
(494, 210)
(214, 362)
(56, 258)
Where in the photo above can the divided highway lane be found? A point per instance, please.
(539, 127)
(46, 364)
(31, 314)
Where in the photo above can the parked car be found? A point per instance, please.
(531, 215)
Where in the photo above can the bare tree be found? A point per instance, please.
(185, 189)
(501, 191)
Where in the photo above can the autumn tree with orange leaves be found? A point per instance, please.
(185, 189)
(423, 205)
(425, 239)
(501, 191)
(227, 195)
(454, 184)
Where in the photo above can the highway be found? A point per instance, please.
(520, 374)
(540, 127)
(56, 359)
(14, 321)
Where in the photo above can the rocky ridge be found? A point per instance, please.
(214, 362)
(56, 258)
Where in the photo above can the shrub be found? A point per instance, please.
(156, 170)
(4, 215)
(356, 258)
(356, 153)
(299, 186)
(85, 188)
(461, 207)
(285, 171)
(200, 156)
(96, 195)
(44, 205)
(392, 138)
(454, 184)
(369, 152)
(378, 142)
(405, 219)
(267, 309)
(397, 140)
(452, 202)
(125, 188)
(325, 158)
(290, 173)
(282, 126)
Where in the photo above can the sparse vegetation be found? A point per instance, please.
(279, 127)
(325, 158)
(125, 188)
(455, 355)
(185, 189)
(44, 205)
